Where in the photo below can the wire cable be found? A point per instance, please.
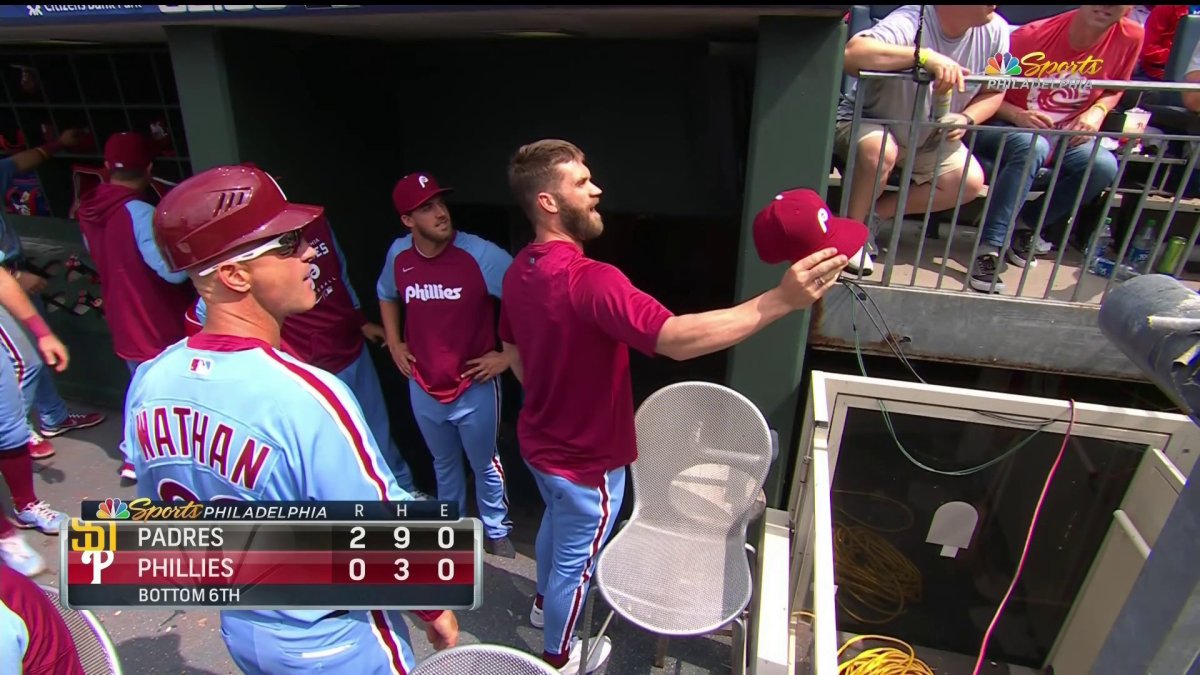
(882, 660)
(861, 297)
(885, 332)
(1037, 510)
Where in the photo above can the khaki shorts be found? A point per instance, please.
(954, 157)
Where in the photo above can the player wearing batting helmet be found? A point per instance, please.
(572, 320)
(331, 336)
(226, 415)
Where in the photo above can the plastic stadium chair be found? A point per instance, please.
(96, 651)
(680, 567)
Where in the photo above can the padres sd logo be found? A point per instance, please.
(85, 536)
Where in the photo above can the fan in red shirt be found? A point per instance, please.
(1160, 37)
(1094, 42)
(571, 321)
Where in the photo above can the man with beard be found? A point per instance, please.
(447, 348)
(573, 320)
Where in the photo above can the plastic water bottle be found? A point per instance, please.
(1139, 253)
(1100, 264)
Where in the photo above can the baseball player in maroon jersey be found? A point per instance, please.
(572, 321)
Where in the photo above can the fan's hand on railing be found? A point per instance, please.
(1090, 120)
(947, 74)
(808, 280)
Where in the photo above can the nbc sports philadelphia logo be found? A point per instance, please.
(1038, 73)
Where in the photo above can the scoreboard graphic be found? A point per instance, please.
(155, 560)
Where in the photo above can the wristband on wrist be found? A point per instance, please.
(37, 325)
(923, 57)
(1101, 106)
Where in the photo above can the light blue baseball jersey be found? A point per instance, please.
(224, 418)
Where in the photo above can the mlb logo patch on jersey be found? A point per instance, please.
(201, 367)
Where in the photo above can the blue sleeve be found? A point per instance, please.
(14, 640)
(131, 444)
(493, 261)
(142, 215)
(385, 288)
(201, 310)
(8, 171)
(345, 271)
(339, 455)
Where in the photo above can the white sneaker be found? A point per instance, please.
(419, 496)
(537, 618)
(861, 260)
(598, 652)
(19, 555)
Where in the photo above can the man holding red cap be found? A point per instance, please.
(573, 319)
(226, 415)
(447, 348)
(144, 300)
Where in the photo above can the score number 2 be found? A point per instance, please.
(358, 568)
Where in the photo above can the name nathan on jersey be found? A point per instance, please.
(179, 431)
(426, 292)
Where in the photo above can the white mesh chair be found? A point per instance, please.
(97, 654)
(483, 660)
(680, 567)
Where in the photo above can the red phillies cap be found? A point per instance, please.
(798, 223)
(128, 150)
(414, 190)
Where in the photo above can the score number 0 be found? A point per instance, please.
(358, 568)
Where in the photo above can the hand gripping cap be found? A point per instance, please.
(222, 210)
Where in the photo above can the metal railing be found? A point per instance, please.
(1063, 264)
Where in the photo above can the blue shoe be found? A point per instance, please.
(40, 516)
(19, 555)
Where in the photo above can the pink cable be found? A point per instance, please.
(1037, 510)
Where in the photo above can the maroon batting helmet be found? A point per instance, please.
(221, 210)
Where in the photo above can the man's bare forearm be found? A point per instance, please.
(389, 313)
(692, 335)
(14, 298)
(865, 53)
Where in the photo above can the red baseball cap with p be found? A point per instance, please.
(128, 150)
(798, 223)
(414, 190)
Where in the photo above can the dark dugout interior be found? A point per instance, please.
(664, 126)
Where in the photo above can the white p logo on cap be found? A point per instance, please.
(823, 218)
(422, 180)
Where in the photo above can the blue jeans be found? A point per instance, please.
(1010, 185)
